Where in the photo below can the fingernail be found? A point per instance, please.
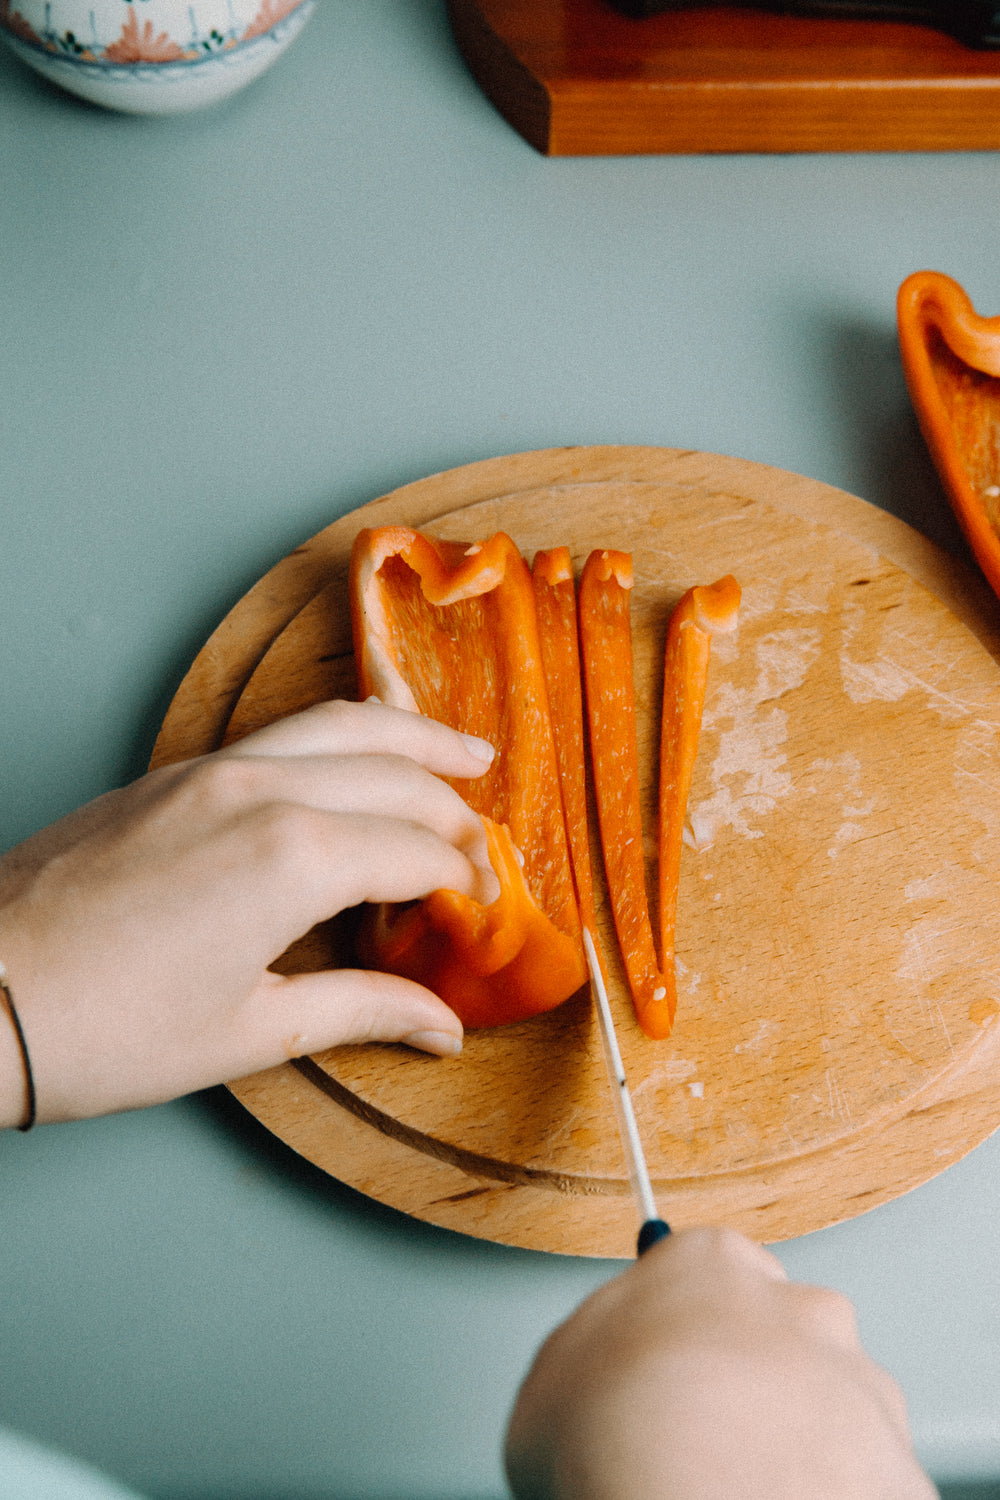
(481, 749)
(373, 698)
(441, 1043)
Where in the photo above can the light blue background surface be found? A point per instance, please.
(219, 333)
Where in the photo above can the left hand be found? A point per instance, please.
(137, 932)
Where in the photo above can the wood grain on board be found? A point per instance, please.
(576, 78)
(838, 943)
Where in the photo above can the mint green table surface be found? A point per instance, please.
(218, 333)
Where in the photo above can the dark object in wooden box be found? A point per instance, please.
(577, 78)
(974, 22)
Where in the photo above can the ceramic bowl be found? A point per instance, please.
(152, 57)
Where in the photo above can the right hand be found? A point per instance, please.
(703, 1373)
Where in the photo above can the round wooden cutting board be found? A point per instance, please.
(838, 951)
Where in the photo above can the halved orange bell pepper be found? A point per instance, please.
(606, 638)
(449, 630)
(951, 359)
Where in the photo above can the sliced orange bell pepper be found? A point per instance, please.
(951, 359)
(449, 630)
(605, 633)
(555, 604)
(606, 641)
(699, 614)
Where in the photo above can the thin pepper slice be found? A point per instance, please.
(700, 613)
(449, 630)
(951, 359)
(606, 641)
(555, 606)
(605, 632)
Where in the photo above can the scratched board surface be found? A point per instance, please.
(838, 948)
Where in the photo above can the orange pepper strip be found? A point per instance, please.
(605, 632)
(449, 630)
(606, 638)
(555, 604)
(951, 359)
(697, 616)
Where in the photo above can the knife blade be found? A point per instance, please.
(652, 1227)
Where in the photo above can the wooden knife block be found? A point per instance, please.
(576, 78)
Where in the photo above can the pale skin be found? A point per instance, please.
(137, 932)
(703, 1373)
(137, 936)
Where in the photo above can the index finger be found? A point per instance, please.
(339, 727)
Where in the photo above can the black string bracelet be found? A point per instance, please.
(15, 1021)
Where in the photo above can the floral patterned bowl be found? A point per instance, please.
(152, 57)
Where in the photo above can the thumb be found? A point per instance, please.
(301, 1013)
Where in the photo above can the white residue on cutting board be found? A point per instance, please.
(847, 770)
(665, 1076)
(749, 772)
(838, 1106)
(944, 938)
(977, 781)
(690, 978)
(761, 1040)
(879, 680)
(925, 953)
(905, 658)
(783, 659)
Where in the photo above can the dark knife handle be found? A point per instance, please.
(651, 1231)
(974, 22)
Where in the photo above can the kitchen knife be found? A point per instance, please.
(652, 1227)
